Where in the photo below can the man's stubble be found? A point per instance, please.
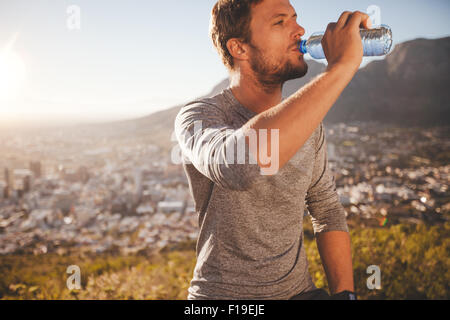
(271, 75)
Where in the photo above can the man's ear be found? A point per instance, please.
(237, 49)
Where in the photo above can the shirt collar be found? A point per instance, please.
(247, 113)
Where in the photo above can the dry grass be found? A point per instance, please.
(414, 262)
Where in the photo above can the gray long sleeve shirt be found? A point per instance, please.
(250, 243)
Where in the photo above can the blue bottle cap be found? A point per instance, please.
(302, 46)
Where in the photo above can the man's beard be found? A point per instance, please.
(271, 75)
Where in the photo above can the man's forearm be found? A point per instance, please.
(298, 116)
(335, 252)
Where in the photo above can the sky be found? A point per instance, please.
(127, 59)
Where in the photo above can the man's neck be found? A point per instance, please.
(252, 95)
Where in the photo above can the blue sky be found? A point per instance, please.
(131, 58)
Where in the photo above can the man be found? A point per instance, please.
(250, 244)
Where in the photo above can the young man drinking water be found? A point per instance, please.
(250, 243)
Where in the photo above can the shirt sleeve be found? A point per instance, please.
(322, 199)
(215, 148)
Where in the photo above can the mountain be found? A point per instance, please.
(410, 87)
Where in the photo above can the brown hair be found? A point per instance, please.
(230, 19)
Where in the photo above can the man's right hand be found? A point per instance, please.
(342, 42)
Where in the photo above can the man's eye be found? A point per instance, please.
(279, 22)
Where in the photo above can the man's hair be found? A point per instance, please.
(230, 19)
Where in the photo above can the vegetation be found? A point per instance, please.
(414, 263)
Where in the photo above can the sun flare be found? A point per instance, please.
(12, 74)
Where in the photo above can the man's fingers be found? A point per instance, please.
(367, 24)
(331, 26)
(343, 19)
(359, 19)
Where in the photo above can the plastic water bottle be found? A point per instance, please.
(377, 41)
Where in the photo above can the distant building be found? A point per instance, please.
(152, 195)
(63, 200)
(9, 179)
(35, 167)
(331, 149)
(3, 190)
(23, 177)
(72, 175)
(144, 209)
(138, 183)
(83, 174)
(27, 184)
(172, 206)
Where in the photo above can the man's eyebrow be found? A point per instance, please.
(278, 15)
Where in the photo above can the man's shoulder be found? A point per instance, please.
(212, 105)
(217, 100)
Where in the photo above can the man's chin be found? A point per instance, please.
(303, 66)
(304, 69)
(299, 72)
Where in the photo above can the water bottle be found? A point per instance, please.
(377, 41)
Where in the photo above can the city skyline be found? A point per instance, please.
(59, 191)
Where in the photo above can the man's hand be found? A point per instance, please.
(342, 42)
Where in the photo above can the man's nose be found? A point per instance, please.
(299, 32)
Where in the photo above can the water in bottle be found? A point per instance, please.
(377, 41)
